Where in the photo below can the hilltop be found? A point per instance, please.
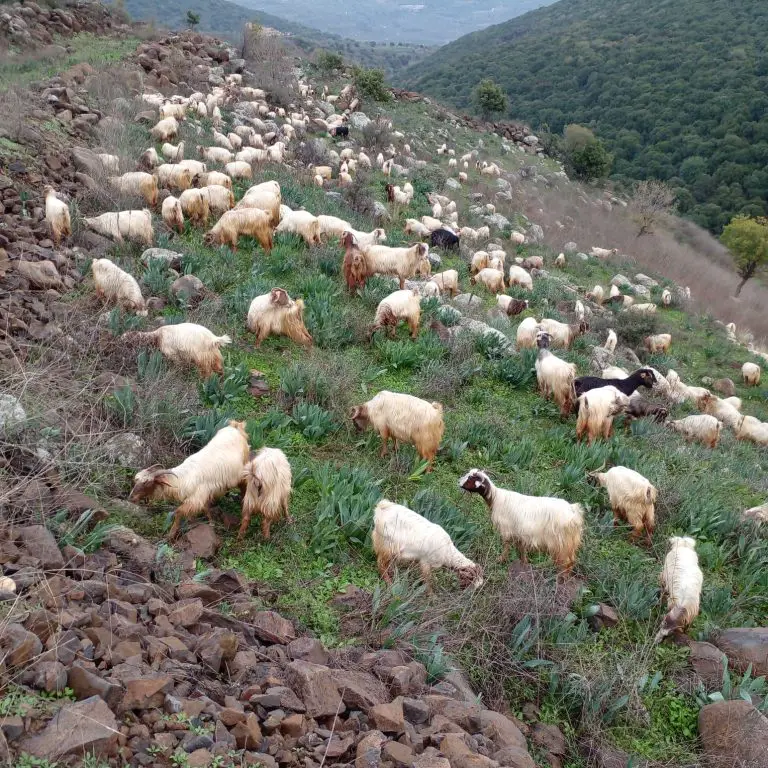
(121, 647)
(676, 88)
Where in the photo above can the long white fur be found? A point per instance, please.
(116, 286)
(194, 203)
(136, 183)
(217, 155)
(752, 429)
(659, 342)
(173, 176)
(119, 225)
(749, 371)
(597, 407)
(165, 129)
(268, 489)
(213, 178)
(333, 226)
(364, 240)
(173, 153)
(611, 341)
(400, 305)
(518, 276)
(301, 223)
(265, 318)
(492, 279)
(632, 497)
(702, 427)
(614, 372)
(402, 262)
(534, 523)
(526, 333)
(266, 196)
(479, 261)
(57, 216)
(172, 213)
(721, 410)
(402, 535)
(447, 281)
(681, 579)
(555, 378)
(220, 198)
(562, 334)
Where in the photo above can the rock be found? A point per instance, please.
(380, 212)
(18, 645)
(600, 359)
(185, 613)
(604, 617)
(359, 120)
(725, 387)
(315, 686)
(453, 746)
(325, 107)
(41, 274)
(549, 737)
(501, 730)
(603, 755)
(78, 728)
(146, 692)
(434, 259)
(641, 291)
(369, 750)
(126, 449)
(188, 289)
(87, 682)
(515, 757)
(620, 280)
(467, 299)
(536, 233)
(497, 220)
(50, 676)
(171, 258)
(453, 183)
(12, 415)
(200, 758)
(744, 646)
(570, 247)
(388, 718)
(271, 627)
(39, 541)
(531, 140)
(202, 541)
(308, 649)
(360, 690)
(707, 663)
(248, 734)
(415, 711)
(648, 282)
(734, 734)
(398, 754)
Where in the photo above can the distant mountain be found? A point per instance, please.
(679, 88)
(226, 19)
(431, 22)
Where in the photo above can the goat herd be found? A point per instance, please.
(549, 525)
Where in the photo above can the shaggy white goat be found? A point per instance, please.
(402, 262)
(447, 281)
(268, 489)
(681, 580)
(402, 535)
(115, 286)
(554, 376)
(200, 479)
(702, 427)
(492, 279)
(400, 305)
(518, 276)
(749, 371)
(531, 523)
(277, 314)
(611, 341)
(120, 225)
(597, 407)
(57, 216)
(752, 429)
(526, 333)
(632, 498)
(301, 223)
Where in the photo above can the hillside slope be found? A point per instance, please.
(226, 19)
(677, 88)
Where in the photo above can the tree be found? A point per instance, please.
(371, 83)
(747, 240)
(651, 201)
(490, 98)
(193, 19)
(329, 61)
(584, 154)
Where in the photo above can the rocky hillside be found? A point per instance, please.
(119, 647)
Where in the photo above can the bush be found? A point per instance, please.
(313, 421)
(377, 134)
(632, 328)
(299, 382)
(371, 83)
(490, 98)
(328, 61)
(519, 371)
(437, 509)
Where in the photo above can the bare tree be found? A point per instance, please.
(650, 202)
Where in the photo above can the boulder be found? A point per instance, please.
(39, 542)
(707, 663)
(369, 750)
(271, 627)
(12, 415)
(18, 645)
(80, 728)
(620, 280)
(188, 289)
(734, 734)
(648, 282)
(744, 646)
(360, 690)
(315, 686)
(501, 730)
(550, 738)
(536, 233)
(171, 258)
(308, 649)
(388, 718)
(455, 748)
(202, 541)
(40, 274)
(359, 120)
(88, 682)
(126, 449)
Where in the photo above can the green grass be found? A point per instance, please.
(495, 420)
(21, 69)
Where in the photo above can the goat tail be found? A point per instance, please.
(223, 341)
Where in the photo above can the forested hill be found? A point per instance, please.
(678, 88)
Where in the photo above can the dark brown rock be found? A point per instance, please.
(734, 734)
(185, 613)
(202, 541)
(744, 646)
(146, 692)
(18, 645)
(501, 730)
(38, 540)
(271, 627)
(308, 649)
(248, 733)
(360, 690)
(79, 728)
(88, 682)
(315, 686)
(550, 738)
(707, 662)
(50, 676)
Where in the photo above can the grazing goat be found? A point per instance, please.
(185, 344)
(354, 267)
(400, 305)
(562, 334)
(165, 129)
(266, 197)
(518, 276)
(268, 489)
(137, 183)
(644, 377)
(681, 580)
(555, 376)
(597, 407)
(752, 429)
(702, 427)
(722, 411)
(276, 313)
(632, 499)
(194, 204)
(660, 342)
(115, 286)
(120, 225)
(526, 333)
(172, 214)
(447, 281)
(611, 341)
(200, 479)
(402, 535)
(301, 223)
(403, 418)
(510, 306)
(749, 371)
(248, 221)
(402, 262)
(444, 238)
(57, 216)
(492, 279)
(531, 523)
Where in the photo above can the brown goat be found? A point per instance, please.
(354, 266)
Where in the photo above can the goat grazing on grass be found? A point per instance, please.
(555, 377)
(277, 314)
(268, 489)
(200, 479)
(681, 580)
(530, 523)
(632, 499)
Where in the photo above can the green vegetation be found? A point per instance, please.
(747, 239)
(371, 83)
(518, 638)
(676, 89)
(490, 98)
(21, 69)
(584, 154)
(227, 20)
(193, 19)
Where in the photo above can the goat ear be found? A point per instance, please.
(355, 412)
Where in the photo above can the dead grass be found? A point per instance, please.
(687, 255)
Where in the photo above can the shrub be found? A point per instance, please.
(330, 326)
(377, 135)
(156, 278)
(489, 98)
(632, 328)
(372, 83)
(313, 421)
(299, 382)
(359, 194)
(150, 365)
(517, 371)
(201, 428)
(218, 391)
(328, 61)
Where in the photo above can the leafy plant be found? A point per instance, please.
(156, 277)
(218, 391)
(517, 371)
(745, 687)
(150, 365)
(313, 421)
(299, 382)
(119, 322)
(202, 427)
(371, 83)
(121, 404)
